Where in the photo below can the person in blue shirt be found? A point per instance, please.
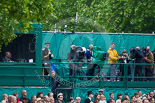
(89, 53)
(90, 67)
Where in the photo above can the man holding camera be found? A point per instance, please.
(149, 59)
(124, 58)
(138, 59)
(113, 57)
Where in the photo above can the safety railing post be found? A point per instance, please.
(24, 77)
(99, 75)
(51, 79)
(75, 74)
(125, 76)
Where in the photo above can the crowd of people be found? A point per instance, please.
(39, 98)
(136, 56)
(99, 97)
(138, 97)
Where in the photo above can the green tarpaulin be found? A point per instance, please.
(60, 42)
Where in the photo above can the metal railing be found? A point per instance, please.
(101, 79)
(79, 77)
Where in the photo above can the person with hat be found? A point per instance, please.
(60, 98)
(90, 96)
(46, 57)
(101, 91)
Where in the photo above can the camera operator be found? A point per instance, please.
(70, 58)
(149, 59)
(90, 67)
(124, 58)
(77, 54)
(138, 59)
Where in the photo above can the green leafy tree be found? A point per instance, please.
(130, 16)
(135, 16)
(24, 12)
(65, 14)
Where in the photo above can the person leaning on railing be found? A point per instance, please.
(113, 57)
(149, 59)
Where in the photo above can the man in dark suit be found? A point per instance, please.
(23, 97)
(111, 97)
(90, 96)
(54, 85)
(138, 68)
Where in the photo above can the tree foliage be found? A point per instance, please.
(24, 12)
(128, 15)
(132, 16)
